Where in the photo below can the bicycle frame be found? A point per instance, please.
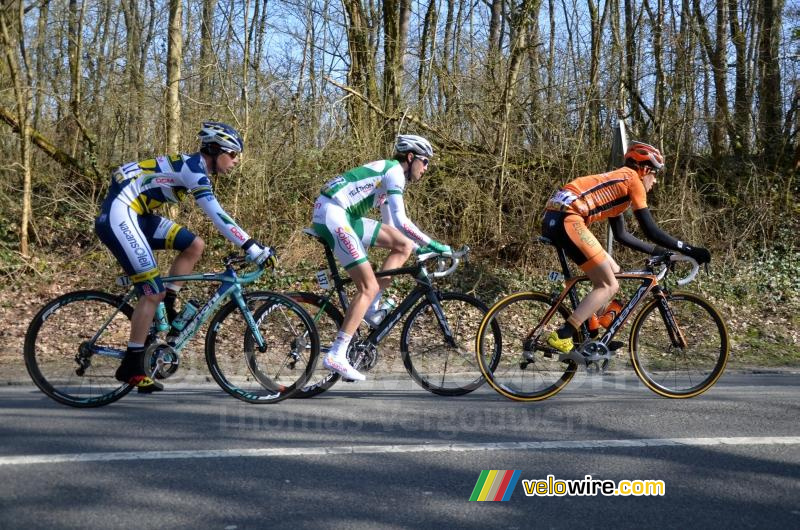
(649, 283)
(423, 289)
(231, 287)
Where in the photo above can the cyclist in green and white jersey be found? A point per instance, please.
(339, 220)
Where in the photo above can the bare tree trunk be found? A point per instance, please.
(75, 47)
(446, 85)
(174, 58)
(592, 93)
(495, 35)
(520, 23)
(133, 23)
(742, 100)
(391, 35)
(631, 59)
(716, 52)
(23, 97)
(617, 59)
(426, 61)
(41, 60)
(207, 55)
(771, 142)
(361, 75)
(659, 97)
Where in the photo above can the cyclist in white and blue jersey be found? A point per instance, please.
(130, 229)
(339, 220)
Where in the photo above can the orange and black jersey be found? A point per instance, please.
(598, 197)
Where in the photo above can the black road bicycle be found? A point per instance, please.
(438, 335)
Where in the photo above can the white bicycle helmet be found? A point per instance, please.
(221, 134)
(411, 143)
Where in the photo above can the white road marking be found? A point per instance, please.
(377, 449)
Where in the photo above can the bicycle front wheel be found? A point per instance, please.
(679, 345)
(520, 365)
(287, 361)
(442, 365)
(65, 359)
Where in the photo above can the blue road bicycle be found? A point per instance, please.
(260, 346)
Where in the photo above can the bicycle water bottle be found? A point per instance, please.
(610, 313)
(388, 305)
(188, 312)
(162, 324)
(594, 325)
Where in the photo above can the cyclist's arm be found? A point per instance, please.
(654, 233)
(205, 198)
(393, 213)
(622, 235)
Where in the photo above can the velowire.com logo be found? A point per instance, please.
(495, 485)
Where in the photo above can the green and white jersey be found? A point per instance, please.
(361, 189)
(378, 184)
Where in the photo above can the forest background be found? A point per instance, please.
(517, 97)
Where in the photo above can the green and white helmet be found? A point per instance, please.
(411, 143)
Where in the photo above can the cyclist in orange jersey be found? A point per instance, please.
(593, 198)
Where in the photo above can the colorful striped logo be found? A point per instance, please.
(495, 485)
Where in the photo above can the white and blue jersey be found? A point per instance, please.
(130, 229)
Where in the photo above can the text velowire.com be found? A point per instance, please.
(588, 486)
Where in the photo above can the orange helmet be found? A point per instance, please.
(642, 153)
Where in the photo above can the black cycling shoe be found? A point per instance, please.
(132, 372)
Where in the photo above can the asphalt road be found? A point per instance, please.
(386, 454)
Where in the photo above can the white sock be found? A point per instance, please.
(339, 346)
(171, 286)
(135, 346)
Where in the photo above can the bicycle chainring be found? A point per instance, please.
(362, 356)
(597, 356)
(160, 360)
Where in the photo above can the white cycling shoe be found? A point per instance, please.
(340, 365)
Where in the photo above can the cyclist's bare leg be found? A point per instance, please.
(187, 259)
(605, 286)
(401, 248)
(367, 285)
(143, 317)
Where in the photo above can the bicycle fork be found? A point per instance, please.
(676, 335)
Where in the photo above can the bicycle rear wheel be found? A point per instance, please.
(327, 319)
(520, 366)
(437, 365)
(289, 358)
(664, 365)
(61, 357)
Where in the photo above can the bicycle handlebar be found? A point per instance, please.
(455, 257)
(674, 258)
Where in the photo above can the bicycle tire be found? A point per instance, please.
(54, 357)
(667, 369)
(327, 319)
(440, 368)
(538, 376)
(262, 377)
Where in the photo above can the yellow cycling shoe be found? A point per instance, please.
(562, 345)
(145, 385)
